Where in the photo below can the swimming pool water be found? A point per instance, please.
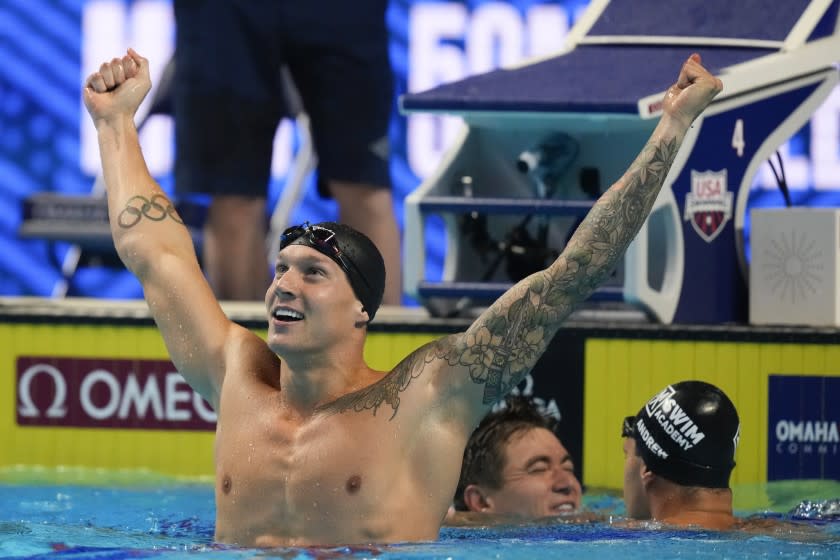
(175, 520)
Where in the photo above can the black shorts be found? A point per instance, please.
(229, 95)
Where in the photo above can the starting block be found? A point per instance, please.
(540, 138)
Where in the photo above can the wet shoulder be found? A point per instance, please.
(389, 392)
(249, 355)
(781, 529)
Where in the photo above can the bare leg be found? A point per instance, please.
(371, 211)
(234, 247)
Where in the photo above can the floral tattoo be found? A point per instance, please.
(502, 346)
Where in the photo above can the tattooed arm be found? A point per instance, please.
(149, 235)
(505, 342)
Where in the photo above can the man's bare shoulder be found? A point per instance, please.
(248, 354)
(781, 529)
(456, 518)
(420, 367)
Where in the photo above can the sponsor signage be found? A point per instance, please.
(102, 393)
(675, 422)
(803, 439)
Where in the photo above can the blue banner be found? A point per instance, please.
(803, 428)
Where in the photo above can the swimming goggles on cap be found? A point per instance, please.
(324, 240)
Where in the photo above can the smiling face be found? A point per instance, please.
(310, 302)
(539, 478)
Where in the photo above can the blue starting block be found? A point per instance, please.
(542, 140)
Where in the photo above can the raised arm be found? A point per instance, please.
(148, 234)
(505, 342)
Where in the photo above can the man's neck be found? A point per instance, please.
(310, 381)
(717, 520)
(707, 508)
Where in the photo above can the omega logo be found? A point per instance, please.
(135, 394)
(58, 408)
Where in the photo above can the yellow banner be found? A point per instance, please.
(179, 453)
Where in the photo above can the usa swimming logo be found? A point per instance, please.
(709, 204)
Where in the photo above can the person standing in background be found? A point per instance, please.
(229, 97)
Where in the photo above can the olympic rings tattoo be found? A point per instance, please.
(156, 209)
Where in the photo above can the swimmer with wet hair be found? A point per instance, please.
(313, 446)
(515, 465)
(679, 452)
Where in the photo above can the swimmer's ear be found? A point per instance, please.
(362, 317)
(475, 499)
(648, 476)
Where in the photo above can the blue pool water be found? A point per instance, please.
(171, 520)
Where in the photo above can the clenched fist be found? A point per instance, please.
(118, 88)
(694, 90)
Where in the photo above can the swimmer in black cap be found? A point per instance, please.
(357, 256)
(679, 451)
(313, 446)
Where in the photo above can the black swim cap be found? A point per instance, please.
(352, 250)
(688, 433)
